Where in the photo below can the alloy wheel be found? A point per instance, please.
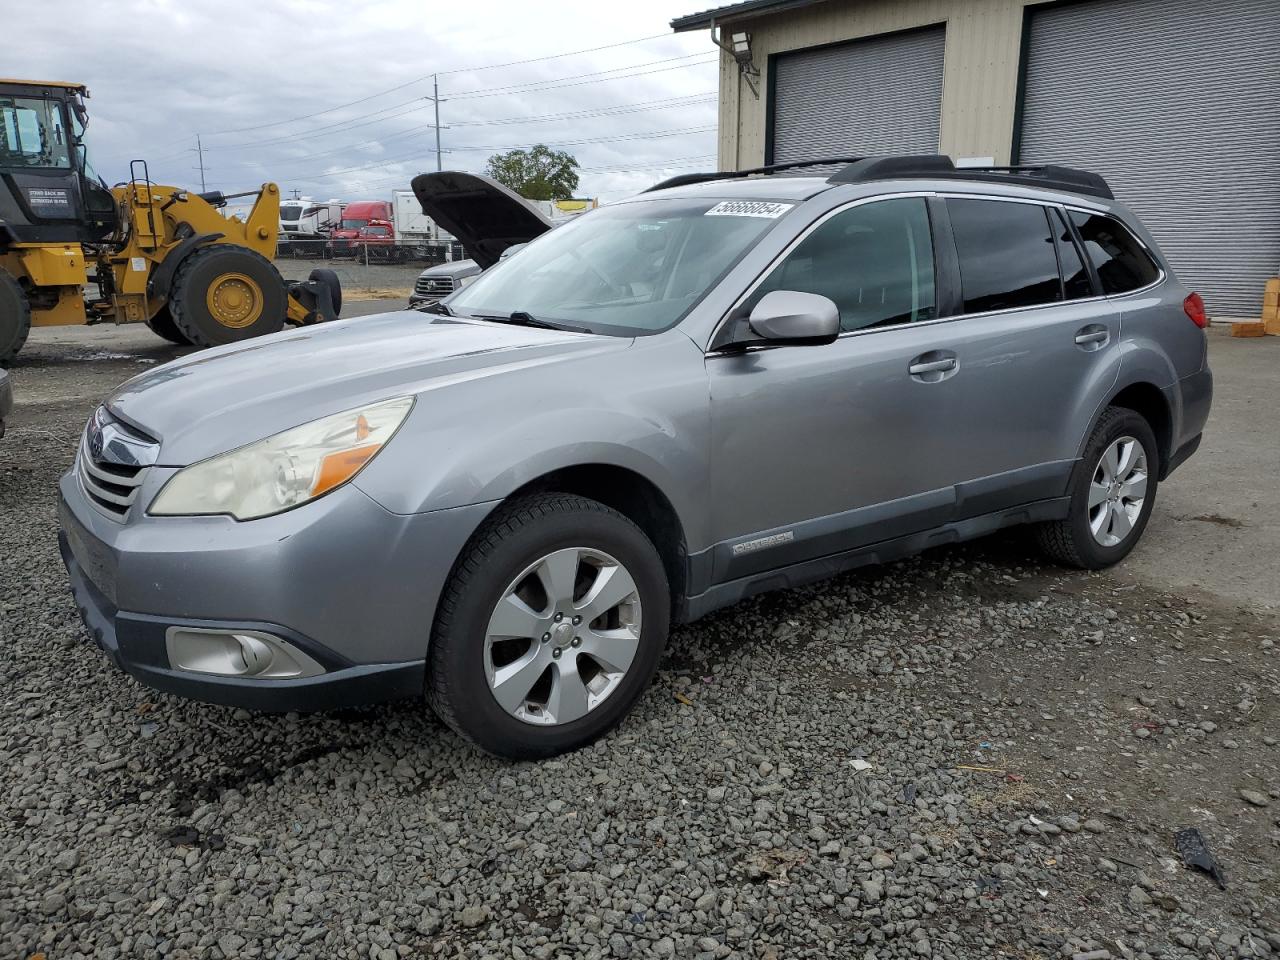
(562, 636)
(1117, 491)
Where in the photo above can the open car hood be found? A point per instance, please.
(484, 215)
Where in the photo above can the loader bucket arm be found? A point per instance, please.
(262, 226)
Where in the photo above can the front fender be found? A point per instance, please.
(644, 409)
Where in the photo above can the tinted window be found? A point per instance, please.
(875, 261)
(378, 231)
(1006, 254)
(1075, 276)
(1121, 262)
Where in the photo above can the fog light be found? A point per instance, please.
(237, 653)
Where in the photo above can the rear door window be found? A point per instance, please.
(1123, 264)
(1006, 252)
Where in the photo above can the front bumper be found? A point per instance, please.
(348, 583)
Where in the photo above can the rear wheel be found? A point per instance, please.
(550, 627)
(1113, 491)
(15, 317)
(162, 325)
(226, 293)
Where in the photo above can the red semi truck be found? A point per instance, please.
(367, 232)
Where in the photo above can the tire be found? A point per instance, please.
(224, 293)
(329, 279)
(463, 654)
(162, 325)
(15, 317)
(1073, 541)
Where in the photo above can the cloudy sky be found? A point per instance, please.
(327, 96)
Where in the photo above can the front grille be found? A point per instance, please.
(111, 486)
(436, 287)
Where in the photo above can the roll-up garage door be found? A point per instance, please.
(1178, 106)
(881, 95)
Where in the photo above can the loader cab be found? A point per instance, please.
(48, 191)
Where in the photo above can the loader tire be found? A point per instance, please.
(15, 317)
(330, 280)
(162, 325)
(226, 293)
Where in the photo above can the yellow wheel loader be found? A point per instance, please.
(163, 256)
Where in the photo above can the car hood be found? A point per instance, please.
(220, 399)
(481, 213)
(453, 268)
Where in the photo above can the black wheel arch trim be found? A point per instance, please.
(162, 277)
(1167, 443)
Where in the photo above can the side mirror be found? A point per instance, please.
(794, 317)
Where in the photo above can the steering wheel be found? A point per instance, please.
(604, 278)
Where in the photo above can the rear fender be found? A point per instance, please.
(161, 279)
(1142, 365)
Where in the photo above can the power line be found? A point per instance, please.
(687, 100)
(409, 83)
(654, 135)
(422, 103)
(643, 107)
(557, 56)
(539, 87)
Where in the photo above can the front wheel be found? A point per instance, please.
(549, 629)
(1113, 491)
(15, 317)
(225, 293)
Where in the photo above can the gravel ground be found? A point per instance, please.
(967, 755)
(355, 275)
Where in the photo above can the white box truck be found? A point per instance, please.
(418, 237)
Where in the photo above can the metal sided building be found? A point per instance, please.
(1175, 102)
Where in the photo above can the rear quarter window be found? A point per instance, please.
(1123, 264)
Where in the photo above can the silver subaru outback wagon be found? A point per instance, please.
(728, 384)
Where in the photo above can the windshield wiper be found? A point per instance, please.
(520, 318)
(438, 307)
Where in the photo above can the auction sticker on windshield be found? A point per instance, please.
(768, 209)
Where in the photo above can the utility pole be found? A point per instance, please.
(435, 89)
(200, 154)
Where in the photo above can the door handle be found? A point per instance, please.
(932, 366)
(1097, 336)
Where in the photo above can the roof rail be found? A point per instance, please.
(1048, 176)
(684, 179)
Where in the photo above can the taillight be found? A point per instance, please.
(1194, 307)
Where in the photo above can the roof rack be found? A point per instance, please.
(684, 179)
(1047, 176)
(938, 166)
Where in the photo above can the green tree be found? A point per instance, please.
(537, 174)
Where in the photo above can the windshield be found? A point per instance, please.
(629, 269)
(290, 213)
(32, 134)
(353, 224)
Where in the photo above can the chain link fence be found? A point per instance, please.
(362, 268)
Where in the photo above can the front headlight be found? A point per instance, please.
(285, 470)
